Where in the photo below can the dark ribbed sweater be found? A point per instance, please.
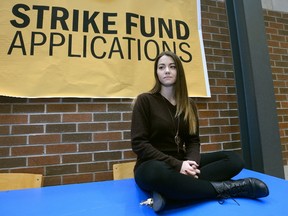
(153, 130)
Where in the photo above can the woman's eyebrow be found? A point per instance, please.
(165, 64)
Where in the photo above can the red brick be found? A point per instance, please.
(127, 116)
(61, 108)
(119, 107)
(61, 148)
(235, 136)
(278, 37)
(77, 117)
(232, 145)
(218, 90)
(126, 135)
(270, 31)
(12, 162)
(285, 154)
(45, 139)
(114, 126)
(91, 107)
(208, 114)
(219, 23)
(220, 138)
(4, 152)
(217, 106)
(27, 129)
(77, 158)
(77, 137)
(45, 118)
(27, 150)
(202, 105)
(230, 129)
(80, 178)
(234, 121)
(129, 155)
(12, 140)
(108, 136)
(225, 82)
(120, 145)
(276, 25)
(43, 160)
(210, 29)
(36, 170)
(4, 130)
(107, 117)
(274, 44)
(93, 147)
(219, 121)
(284, 45)
(61, 169)
(229, 113)
(111, 155)
(212, 44)
(28, 108)
(209, 130)
(226, 45)
(221, 37)
(281, 63)
(90, 127)
(93, 167)
(233, 105)
(211, 147)
(284, 139)
(52, 180)
(5, 108)
(103, 176)
(204, 139)
(13, 119)
(204, 122)
(60, 128)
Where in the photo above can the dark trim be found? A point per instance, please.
(255, 91)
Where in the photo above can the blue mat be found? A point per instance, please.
(122, 197)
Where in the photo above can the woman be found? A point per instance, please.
(165, 137)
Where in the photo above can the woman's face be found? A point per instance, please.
(166, 71)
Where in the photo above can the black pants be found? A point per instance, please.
(158, 176)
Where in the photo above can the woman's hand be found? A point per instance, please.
(190, 168)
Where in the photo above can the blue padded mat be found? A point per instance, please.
(122, 197)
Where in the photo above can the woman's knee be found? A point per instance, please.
(151, 174)
(235, 160)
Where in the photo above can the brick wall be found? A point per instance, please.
(218, 115)
(68, 140)
(78, 140)
(277, 37)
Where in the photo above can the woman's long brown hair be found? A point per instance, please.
(183, 102)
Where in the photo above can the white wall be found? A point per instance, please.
(275, 5)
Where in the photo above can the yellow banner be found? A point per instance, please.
(96, 48)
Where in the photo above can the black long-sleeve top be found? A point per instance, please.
(153, 130)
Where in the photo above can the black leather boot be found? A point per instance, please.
(248, 187)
